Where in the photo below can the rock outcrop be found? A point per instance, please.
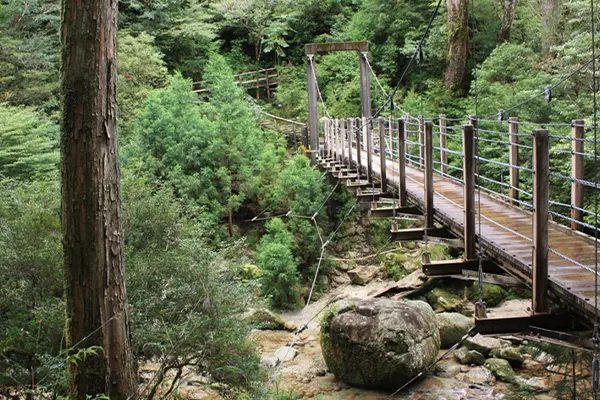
(452, 326)
(379, 343)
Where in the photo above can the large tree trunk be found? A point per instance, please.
(507, 20)
(549, 19)
(91, 202)
(458, 32)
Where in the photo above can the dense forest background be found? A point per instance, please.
(197, 169)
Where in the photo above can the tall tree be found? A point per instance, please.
(458, 36)
(507, 20)
(548, 10)
(91, 202)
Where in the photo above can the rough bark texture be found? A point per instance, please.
(507, 20)
(91, 202)
(548, 10)
(458, 32)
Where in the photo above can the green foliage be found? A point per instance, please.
(280, 274)
(28, 144)
(141, 69)
(31, 306)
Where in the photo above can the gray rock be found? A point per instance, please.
(535, 384)
(470, 357)
(363, 274)
(479, 376)
(483, 344)
(511, 354)
(269, 362)
(446, 370)
(379, 343)
(261, 318)
(285, 353)
(452, 326)
(501, 369)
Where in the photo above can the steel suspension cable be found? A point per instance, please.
(595, 338)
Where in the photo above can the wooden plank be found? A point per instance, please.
(402, 163)
(541, 200)
(577, 164)
(316, 48)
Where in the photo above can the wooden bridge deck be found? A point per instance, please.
(570, 285)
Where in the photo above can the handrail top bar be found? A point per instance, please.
(289, 121)
(316, 48)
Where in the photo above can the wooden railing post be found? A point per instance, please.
(513, 130)
(305, 136)
(350, 135)
(268, 85)
(541, 200)
(343, 140)
(421, 140)
(428, 171)
(577, 163)
(469, 192)
(336, 135)
(358, 132)
(382, 156)
(369, 133)
(443, 144)
(391, 137)
(474, 123)
(401, 163)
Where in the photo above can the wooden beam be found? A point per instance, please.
(382, 155)
(577, 165)
(365, 86)
(525, 323)
(358, 134)
(469, 192)
(317, 48)
(513, 130)
(428, 175)
(369, 136)
(350, 135)
(541, 200)
(343, 133)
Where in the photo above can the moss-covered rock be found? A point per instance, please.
(442, 299)
(469, 357)
(511, 354)
(452, 326)
(379, 343)
(491, 294)
(262, 318)
(483, 344)
(501, 369)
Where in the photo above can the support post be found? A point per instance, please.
(401, 163)
(541, 200)
(268, 86)
(305, 140)
(421, 140)
(513, 130)
(469, 192)
(365, 87)
(577, 173)
(382, 156)
(326, 130)
(358, 133)
(428, 136)
(313, 118)
(443, 144)
(369, 135)
(294, 136)
(473, 123)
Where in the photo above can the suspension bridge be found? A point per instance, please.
(494, 187)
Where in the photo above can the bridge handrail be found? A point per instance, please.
(288, 121)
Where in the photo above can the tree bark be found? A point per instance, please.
(507, 20)
(548, 10)
(458, 32)
(91, 202)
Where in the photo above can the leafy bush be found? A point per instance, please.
(275, 258)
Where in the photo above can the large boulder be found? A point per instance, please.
(452, 326)
(379, 343)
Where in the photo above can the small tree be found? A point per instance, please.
(277, 261)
